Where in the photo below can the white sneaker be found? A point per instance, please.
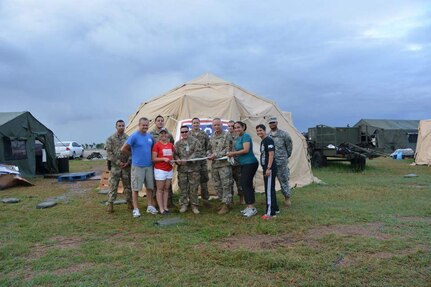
(136, 213)
(245, 210)
(250, 212)
(151, 209)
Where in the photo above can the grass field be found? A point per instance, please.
(358, 229)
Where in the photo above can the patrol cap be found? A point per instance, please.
(163, 130)
(272, 120)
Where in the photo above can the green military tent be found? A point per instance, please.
(26, 143)
(389, 135)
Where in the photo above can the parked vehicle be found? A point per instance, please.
(339, 144)
(69, 149)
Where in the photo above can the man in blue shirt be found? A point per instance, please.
(139, 144)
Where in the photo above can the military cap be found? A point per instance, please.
(272, 120)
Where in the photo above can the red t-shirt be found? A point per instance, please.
(164, 150)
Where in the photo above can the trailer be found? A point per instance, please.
(327, 143)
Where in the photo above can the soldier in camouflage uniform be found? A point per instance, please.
(203, 139)
(221, 170)
(120, 166)
(283, 150)
(188, 171)
(236, 168)
(160, 123)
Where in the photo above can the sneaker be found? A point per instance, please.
(165, 212)
(183, 208)
(244, 210)
(266, 217)
(277, 212)
(250, 212)
(136, 213)
(152, 210)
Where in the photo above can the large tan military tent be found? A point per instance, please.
(423, 147)
(208, 97)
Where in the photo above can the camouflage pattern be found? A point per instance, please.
(222, 177)
(203, 139)
(188, 173)
(236, 175)
(186, 149)
(189, 183)
(236, 169)
(116, 157)
(283, 150)
(219, 145)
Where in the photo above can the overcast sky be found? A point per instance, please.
(78, 66)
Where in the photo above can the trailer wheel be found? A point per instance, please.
(358, 163)
(318, 160)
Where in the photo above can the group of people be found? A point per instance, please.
(147, 159)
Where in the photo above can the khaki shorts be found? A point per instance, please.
(142, 176)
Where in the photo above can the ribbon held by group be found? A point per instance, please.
(229, 159)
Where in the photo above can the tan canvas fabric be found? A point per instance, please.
(423, 147)
(208, 97)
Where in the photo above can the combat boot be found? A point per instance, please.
(195, 209)
(110, 208)
(224, 209)
(183, 208)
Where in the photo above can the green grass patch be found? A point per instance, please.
(358, 229)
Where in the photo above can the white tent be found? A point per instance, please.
(423, 147)
(208, 97)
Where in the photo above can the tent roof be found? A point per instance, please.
(208, 96)
(8, 116)
(207, 79)
(390, 124)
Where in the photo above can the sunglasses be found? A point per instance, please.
(184, 132)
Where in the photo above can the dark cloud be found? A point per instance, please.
(80, 67)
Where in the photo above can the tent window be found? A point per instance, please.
(413, 138)
(14, 149)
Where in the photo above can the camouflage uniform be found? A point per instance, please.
(221, 170)
(236, 171)
(188, 173)
(203, 139)
(283, 150)
(115, 156)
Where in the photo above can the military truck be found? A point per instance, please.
(327, 143)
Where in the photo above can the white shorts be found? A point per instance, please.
(160, 174)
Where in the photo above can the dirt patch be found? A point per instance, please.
(310, 238)
(404, 252)
(344, 261)
(256, 242)
(415, 219)
(73, 269)
(39, 249)
(371, 230)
